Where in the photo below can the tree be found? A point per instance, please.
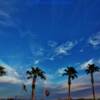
(33, 74)
(24, 87)
(91, 69)
(72, 74)
(2, 71)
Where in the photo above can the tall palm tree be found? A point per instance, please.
(33, 74)
(91, 69)
(2, 71)
(72, 74)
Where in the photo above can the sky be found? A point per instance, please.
(51, 34)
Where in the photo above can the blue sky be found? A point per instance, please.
(51, 34)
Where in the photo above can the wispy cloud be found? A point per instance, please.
(52, 44)
(62, 49)
(94, 40)
(37, 51)
(7, 14)
(60, 71)
(6, 19)
(36, 62)
(65, 48)
(55, 50)
(11, 76)
(27, 33)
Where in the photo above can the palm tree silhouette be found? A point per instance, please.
(91, 69)
(33, 74)
(72, 74)
(24, 87)
(2, 71)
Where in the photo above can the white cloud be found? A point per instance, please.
(6, 19)
(52, 43)
(11, 76)
(37, 51)
(56, 50)
(60, 50)
(36, 62)
(61, 70)
(51, 58)
(85, 64)
(95, 40)
(65, 48)
(9, 79)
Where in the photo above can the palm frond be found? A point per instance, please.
(65, 70)
(33, 69)
(43, 77)
(2, 71)
(73, 77)
(64, 74)
(76, 75)
(29, 77)
(87, 71)
(29, 72)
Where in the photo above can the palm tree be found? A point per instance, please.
(33, 74)
(24, 87)
(92, 68)
(2, 71)
(72, 74)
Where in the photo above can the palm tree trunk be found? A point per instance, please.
(92, 81)
(33, 88)
(33, 94)
(69, 87)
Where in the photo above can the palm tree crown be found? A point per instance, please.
(36, 72)
(92, 68)
(2, 71)
(70, 71)
(33, 74)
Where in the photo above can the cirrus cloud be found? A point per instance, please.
(95, 40)
(11, 76)
(64, 48)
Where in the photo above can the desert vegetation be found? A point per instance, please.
(70, 73)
